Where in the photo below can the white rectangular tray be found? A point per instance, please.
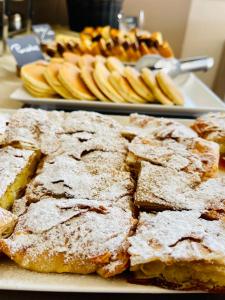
(14, 278)
(198, 99)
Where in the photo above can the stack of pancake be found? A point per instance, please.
(107, 41)
(90, 77)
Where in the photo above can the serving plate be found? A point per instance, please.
(198, 99)
(15, 278)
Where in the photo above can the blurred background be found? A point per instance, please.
(193, 27)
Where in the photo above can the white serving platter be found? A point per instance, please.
(15, 278)
(198, 99)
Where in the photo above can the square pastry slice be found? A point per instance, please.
(161, 188)
(17, 167)
(146, 126)
(65, 177)
(179, 250)
(212, 127)
(190, 155)
(71, 236)
(7, 222)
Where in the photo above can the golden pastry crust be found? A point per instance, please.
(190, 155)
(147, 126)
(17, 167)
(7, 223)
(76, 236)
(179, 249)
(212, 128)
(65, 177)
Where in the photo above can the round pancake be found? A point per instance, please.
(135, 80)
(51, 75)
(169, 88)
(69, 76)
(36, 93)
(114, 64)
(120, 83)
(87, 76)
(149, 79)
(33, 75)
(86, 60)
(71, 57)
(57, 60)
(101, 77)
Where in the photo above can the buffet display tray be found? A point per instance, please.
(15, 278)
(198, 99)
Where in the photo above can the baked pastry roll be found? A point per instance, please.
(163, 188)
(7, 223)
(179, 250)
(65, 177)
(71, 236)
(212, 127)
(146, 126)
(17, 167)
(190, 155)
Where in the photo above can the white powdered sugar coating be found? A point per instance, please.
(145, 126)
(4, 118)
(12, 162)
(211, 194)
(27, 126)
(63, 176)
(166, 153)
(77, 145)
(79, 121)
(177, 236)
(165, 188)
(77, 228)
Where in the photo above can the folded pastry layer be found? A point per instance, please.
(212, 127)
(79, 144)
(162, 128)
(75, 236)
(162, 188)
(179, 250)
(7, 222)
(190, 155)
(17, 167)
(65, 177)
(27, 128)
